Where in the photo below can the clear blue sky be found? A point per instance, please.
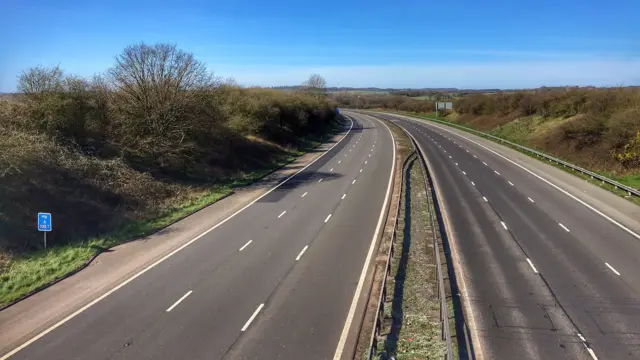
(414, 43)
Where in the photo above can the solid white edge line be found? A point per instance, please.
(532, 266)
(564, 227)
(626, 229)
(179, 300)
(328, 217)
(149, 267)
(612, 269)
(302, 252)
(354, 303)
(504, 225)
(245, 245)
(305, 194)
(255, 313)
(284, 212)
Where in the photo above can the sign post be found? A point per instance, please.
(443, 105)
(44, 225)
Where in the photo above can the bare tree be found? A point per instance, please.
(41, 79)
(151, 76)
(316, 84)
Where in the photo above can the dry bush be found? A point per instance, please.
(101, 152)
(394, 102)
(600, 131)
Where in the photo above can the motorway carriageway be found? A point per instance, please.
(277, 280)
(543, 274)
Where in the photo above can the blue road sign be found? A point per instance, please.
(44, 222)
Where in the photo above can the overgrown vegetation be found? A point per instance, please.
(392, 102)
(154, 135)
(594, 128)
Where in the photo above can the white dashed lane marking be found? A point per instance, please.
(612, 269)
(245, 245)
(179, 300)
(255, 313)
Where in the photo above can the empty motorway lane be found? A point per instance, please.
(275, 281)
(544, 274)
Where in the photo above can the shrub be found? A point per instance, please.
(128, 145)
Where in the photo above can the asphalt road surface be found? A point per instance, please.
(275, 281)
(545, 277)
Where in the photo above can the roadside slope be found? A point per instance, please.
(38, 312)
(621, 210)
(547, 275)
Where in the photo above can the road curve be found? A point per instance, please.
(275, 281)
(543, 274)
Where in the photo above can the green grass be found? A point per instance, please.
(414, 289)
(35, 270)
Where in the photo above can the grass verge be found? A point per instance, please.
(33, 271)
(632, 180)
(412, 321)
(404, 149)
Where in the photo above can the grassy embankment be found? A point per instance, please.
(124, 154)
(598, 129)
